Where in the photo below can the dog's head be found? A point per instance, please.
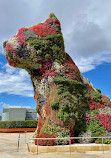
(31, 47)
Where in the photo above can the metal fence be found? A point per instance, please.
(67, 138)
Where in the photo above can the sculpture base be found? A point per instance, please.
(72, 148)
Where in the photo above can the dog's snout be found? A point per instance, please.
(4, 44)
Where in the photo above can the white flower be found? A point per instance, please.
(41, 86)
(106, 110)
(57, 66)
(13, 41)
(50, 79)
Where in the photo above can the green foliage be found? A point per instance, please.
(51, 46)
(107, 141)
(47, 56)
(64, 111)
(55, 39)
(98, 90)
(96, 128)
(96, 96)
(37, 110)
(63, 134)
(73, 97)
(57, 53)
(80, 124)
(39, 52)
(4, 44)
(94, 125)
(47, 128)
(18, 124)
(55, 105)
(65, 94)
(38, 43)
(52, 15)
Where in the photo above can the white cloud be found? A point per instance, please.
(99, 12)
(4, 105)
(85, 65)
(15, 81)
(90, 63)
(14, 14)
(88, 39)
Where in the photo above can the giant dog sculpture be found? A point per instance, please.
(62, 94)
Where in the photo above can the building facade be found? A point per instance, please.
(19, 113)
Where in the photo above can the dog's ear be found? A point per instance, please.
(52, 15)
(53, 22)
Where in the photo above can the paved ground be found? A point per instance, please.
(8, 149)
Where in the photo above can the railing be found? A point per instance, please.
(68, 138)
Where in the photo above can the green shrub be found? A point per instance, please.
(80, 123)
(73, 98)
(64, 112)
(64, 134)
(98, 90)
(96, 96)
(47, 56)
(95, 126)
(51, 46)
(37, 110)
(18, 124)
(107, 141)
(52, 15)
(55, 105)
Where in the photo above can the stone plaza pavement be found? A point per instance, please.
(8, 149)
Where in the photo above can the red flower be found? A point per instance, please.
(48, 21)
(93, 105)
(47, 70)
(50, 142)
(43, 30)
(34, 97)
(106, 101)
(21, 38)
(9, 47)
(21, 30)
(70, 69)
(105, 120)
(11, 63)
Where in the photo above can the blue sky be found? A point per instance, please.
(87, 36)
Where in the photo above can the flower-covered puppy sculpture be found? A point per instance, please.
(60, 91)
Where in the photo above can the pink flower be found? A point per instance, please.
(9, 47)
